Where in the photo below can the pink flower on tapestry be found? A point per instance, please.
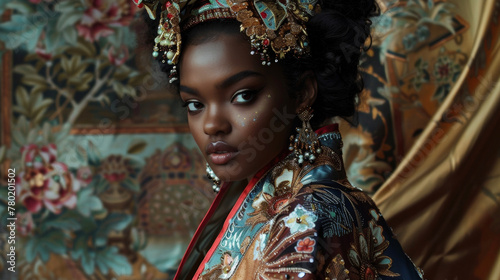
(305, 245)
(24, 223)
(115, 168)
(42, 53)
(102, 15)
(38, 157)
(84, 175)
(118, 56)
(44, 181)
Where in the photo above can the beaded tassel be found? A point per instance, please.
(168, 40)
(260, 45)
(305, 144)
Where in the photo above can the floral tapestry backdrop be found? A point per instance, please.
(109, 184)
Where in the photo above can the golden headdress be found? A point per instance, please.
(277, 25)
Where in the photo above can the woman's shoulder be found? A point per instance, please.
(349, 232)
(339, 188)
(337, 206)
(311, 221)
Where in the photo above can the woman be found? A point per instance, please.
(251, 74)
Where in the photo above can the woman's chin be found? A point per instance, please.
(230, 173)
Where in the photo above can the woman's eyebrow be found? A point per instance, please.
(238, 77)
(187, 90)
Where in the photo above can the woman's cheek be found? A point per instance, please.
(241, 120)
(255, 116)
(249, 119)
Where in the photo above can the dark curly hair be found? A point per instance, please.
(337, 38)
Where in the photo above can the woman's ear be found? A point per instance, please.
(308, 90)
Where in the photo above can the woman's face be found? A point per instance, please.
(239, 111)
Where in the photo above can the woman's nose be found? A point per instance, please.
(216, 122)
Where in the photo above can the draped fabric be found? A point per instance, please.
(443, 199)
(79, 99)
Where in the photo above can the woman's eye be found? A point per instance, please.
(193, 106)
(244, 96)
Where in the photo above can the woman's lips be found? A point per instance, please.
(220, 152)
(220, 159)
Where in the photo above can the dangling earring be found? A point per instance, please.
(305, 144)
(211, 175)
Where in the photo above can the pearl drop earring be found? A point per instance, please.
(211, 175)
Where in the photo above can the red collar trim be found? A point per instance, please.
(200, 228)
(235, 208)
(327, 129)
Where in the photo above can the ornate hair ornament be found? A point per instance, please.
(274, 27)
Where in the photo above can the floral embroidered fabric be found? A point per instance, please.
(306, 222)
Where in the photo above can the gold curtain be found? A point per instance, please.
(443, 199)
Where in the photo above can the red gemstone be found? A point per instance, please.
(369, 274)
(263, 15)
(168, 4)
(140, 5)
(170, 16)
(265, 42)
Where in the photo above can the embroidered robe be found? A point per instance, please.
(296, 221)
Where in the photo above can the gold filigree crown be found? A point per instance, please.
(275, 28)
